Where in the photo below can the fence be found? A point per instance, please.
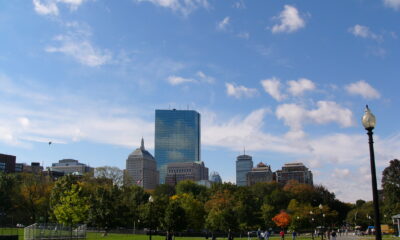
(54, 232)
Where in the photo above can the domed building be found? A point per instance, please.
(215, 177)
(142, 168)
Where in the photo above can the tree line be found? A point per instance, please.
(107, 201)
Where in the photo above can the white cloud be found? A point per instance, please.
(290, 21)
(296, 116)
(176, 80)
(223, 23)
(24, 121)
(240, 91)
(205, 78)
(364, 32)
(47, 8)
(272, 87)
(329, 111)
(395, 4)
(50, 7)
(239, 4)
(363, 89)
(76, 44)
(297, 88)
(185, 7)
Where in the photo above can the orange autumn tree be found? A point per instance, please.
(282, 219)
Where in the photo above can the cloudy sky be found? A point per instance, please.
(287, 80)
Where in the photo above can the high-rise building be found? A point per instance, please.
(142, 168)
(71, 166)
(215, 177)
(180, 171)
(7, 163)
(177, 138)
(261, 173)
(294, 171)
(244, 164)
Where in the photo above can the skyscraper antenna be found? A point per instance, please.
(244, 150)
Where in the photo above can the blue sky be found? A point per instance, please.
(287, 80)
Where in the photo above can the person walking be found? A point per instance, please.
(282, 234)
(294, 234)
(266, 235)
(333, 235)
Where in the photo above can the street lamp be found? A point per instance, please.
(312, 224)
(323, 221)
(369, 122)
(151, 203)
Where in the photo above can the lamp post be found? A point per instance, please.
(312, 224)
(151, 222)
(323, 222)
(369, 122)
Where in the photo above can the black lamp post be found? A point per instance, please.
(151, 222)
(369, 122)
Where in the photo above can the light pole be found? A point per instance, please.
(312, 224)
(151, 222)
(369, 122)
(323, 222)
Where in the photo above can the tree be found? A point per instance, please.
(174, 219)
(221, 214)
(194, 211)
(268, 212)
(191, 187)
(72, 208)
(282, 219)
(103, 206)
(391, 188)
(33, 197)
(113, 173)
(7, 186)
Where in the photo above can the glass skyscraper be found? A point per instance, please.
(244, 164)
(177, 138)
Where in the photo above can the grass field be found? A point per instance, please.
(116, 236)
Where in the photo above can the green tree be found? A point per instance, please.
(72, 207)
(194, 211)
(391, 188)
(33, 197)
(174, 219)
(221, 214)
(103, 206)
(7, 187)
(268, 212)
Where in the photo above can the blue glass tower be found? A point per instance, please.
(177, 138)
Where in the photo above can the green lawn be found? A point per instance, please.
(115, 236)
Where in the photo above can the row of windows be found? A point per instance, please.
(179, 170)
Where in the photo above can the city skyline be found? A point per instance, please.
(288, 81)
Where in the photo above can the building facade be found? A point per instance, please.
(294, 171)
(176, 172)
(71, 166)
(244, 164)
(7, 163)
(177, 138)
(261, 173)
(142, 168)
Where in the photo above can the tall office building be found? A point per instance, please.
(142, 168)
(177, 138)
(294, 171)
(215, 177)
(244, 164)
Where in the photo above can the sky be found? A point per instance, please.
(287, 81)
